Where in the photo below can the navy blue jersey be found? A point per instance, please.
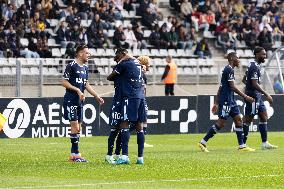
(117, 87)
(253, 73)
(77, 76)
(226, 95)
(130, 72)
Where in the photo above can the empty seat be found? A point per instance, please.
(92, 52)
(180, 52)
(136, 52)
(100, 52)
(163, 52)
(25, 71)
(56, 52)
(110, 33)
(12, 61)
(52, 43)
(110, 52)
(145, 52)
(23, 61)
(34, 71)
(53, 71)
(248, 53)
(155, 52)
(63, 50)
(104, 61)
(172, 52)
(6, 71)
(240, 52)
(24, 42)
(146, 33)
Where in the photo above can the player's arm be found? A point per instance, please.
(259, 89)
(216, 102)
(91, 90)
(65, 83)
(111, 76)
(240, 93)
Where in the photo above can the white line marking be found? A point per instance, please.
(139, 182)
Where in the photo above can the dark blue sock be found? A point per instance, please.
(118, 144)
(140, 142)
(75, 143)
(262, 126)
(212, 131)
(246, 132)
(240, 134)
(111, 139)
(125, 135)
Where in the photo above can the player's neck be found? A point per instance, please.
(80, 62)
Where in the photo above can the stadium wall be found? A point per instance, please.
(43, 117)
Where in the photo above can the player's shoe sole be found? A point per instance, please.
(202, 147)
(246, 149)
(268, 146)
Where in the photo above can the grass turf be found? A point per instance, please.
(173, 162)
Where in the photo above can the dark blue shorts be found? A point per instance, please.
(73, 112)
(224, 111)
(134, 110)
(255, 107)
(115, 113)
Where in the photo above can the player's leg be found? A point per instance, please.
(239, 130)
(250, 112)
(117, 146)
(223, 113)
(262, 126)
(111, 138)
(75, 116)
(140, 142)
(124, 131)
(145, 125)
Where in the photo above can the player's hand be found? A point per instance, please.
(249, 99)
(269, 99)
(81, 95)
(100, 100)
(214, 108)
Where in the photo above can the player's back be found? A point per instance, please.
(77, 76)
(226, 92)
(130, 72)
(253, 73)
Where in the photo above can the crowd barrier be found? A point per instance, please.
(43, 117)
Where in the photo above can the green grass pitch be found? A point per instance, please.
(173, 162)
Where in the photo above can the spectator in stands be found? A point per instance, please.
(240, 8)
(273, 8)
(210, 18)
(100, 40)
(170, 76)
(54, 13)
(99, 4)
(155, 38)
(281, 9)
(119, 38)
(164, 37)
(148, 19)
(265, 40)
(186, 9)
(173, 38)
(226, 41)
(139, 36)
(186, 40)
(202, 49)
(216, 9)
(130, 37)
(128, 5)
(9, 11)
(66, 12)
(251, 38)
(63, 35)
(155, 10)
(108, 16)
(70, 51)
(42, 48)
(265, 23)
(82, 38)
(85, 10)
(46, 6)
(22, 12)
(168, 23)
(205, 7)
(277, 34)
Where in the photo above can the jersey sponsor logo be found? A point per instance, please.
(81, 80)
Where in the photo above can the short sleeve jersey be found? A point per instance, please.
(226, 95)
(77, 76)
(130, 72)
(253, 73)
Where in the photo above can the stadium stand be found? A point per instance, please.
(50, 30)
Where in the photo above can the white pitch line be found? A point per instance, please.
(139, 182)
